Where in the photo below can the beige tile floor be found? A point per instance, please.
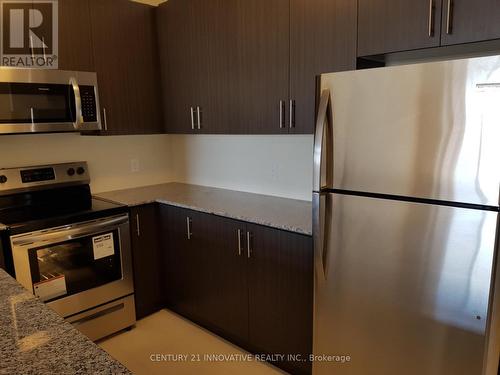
(167, 333)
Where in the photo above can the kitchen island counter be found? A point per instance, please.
(35, 340)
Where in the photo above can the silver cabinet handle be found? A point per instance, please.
(249, 245)
(198, 116)
(105, 118)
(449, 15)
(239, 242)
(432, 9)
(292, 114)
(192, 118)
(189, 233)
(282, 114)
(138, 225)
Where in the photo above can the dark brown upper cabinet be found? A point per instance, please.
(75, 36)
(250, 67)
(387, 26)
(224, 64)
(262, 68)
(467, 21)
(322, 40)
(127, 66)
(180, 44)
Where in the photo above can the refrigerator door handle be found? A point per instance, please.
(319, 234)
(322, 140)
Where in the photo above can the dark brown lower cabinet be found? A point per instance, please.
(250, 284)
(204, 274)
(182, 283)
(224, 301)
(147, 256)
(280, 296)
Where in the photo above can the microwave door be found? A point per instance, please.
(36, 101)
(32, 107)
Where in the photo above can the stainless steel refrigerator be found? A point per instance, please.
(406, 207)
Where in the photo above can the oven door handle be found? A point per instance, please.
(78, 104)
(68, 232)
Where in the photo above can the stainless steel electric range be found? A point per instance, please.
(67, 248)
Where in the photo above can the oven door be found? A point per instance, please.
(76, 267)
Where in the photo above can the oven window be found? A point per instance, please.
(22, 103)
(74, 266)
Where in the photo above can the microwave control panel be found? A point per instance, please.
(89, 106)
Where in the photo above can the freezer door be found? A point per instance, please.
(424, 130)
(402, 288)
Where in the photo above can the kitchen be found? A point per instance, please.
(180, 207)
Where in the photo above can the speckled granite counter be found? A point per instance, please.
(35, 340)
(282, 213)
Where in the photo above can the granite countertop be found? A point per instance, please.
(281, 213)
(35, 340)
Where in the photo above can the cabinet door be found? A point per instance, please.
(386, 26)
(219, 96)
(127, 65)
(75, 36)
(179, 47)
(224, 300)
(467, 21)
(262, 68)
(280, 284)
(322, 40)
(147, 254)
(182, 264)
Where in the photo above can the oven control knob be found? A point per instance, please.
(71, 171)
(80, 170)
(3, 179)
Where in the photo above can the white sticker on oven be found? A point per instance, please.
(51, 288)
(103, 245)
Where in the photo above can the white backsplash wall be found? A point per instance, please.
(278, 165)
(274, 165)
(111, 159)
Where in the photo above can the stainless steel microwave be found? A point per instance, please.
(46, 101)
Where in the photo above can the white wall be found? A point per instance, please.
(275, 165)
(109, 158)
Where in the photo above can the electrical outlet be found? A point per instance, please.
(135, 165)
(274, 171)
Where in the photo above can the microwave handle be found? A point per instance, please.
(78, 104)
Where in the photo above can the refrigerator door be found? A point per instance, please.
(428, 131)
(402, 288)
